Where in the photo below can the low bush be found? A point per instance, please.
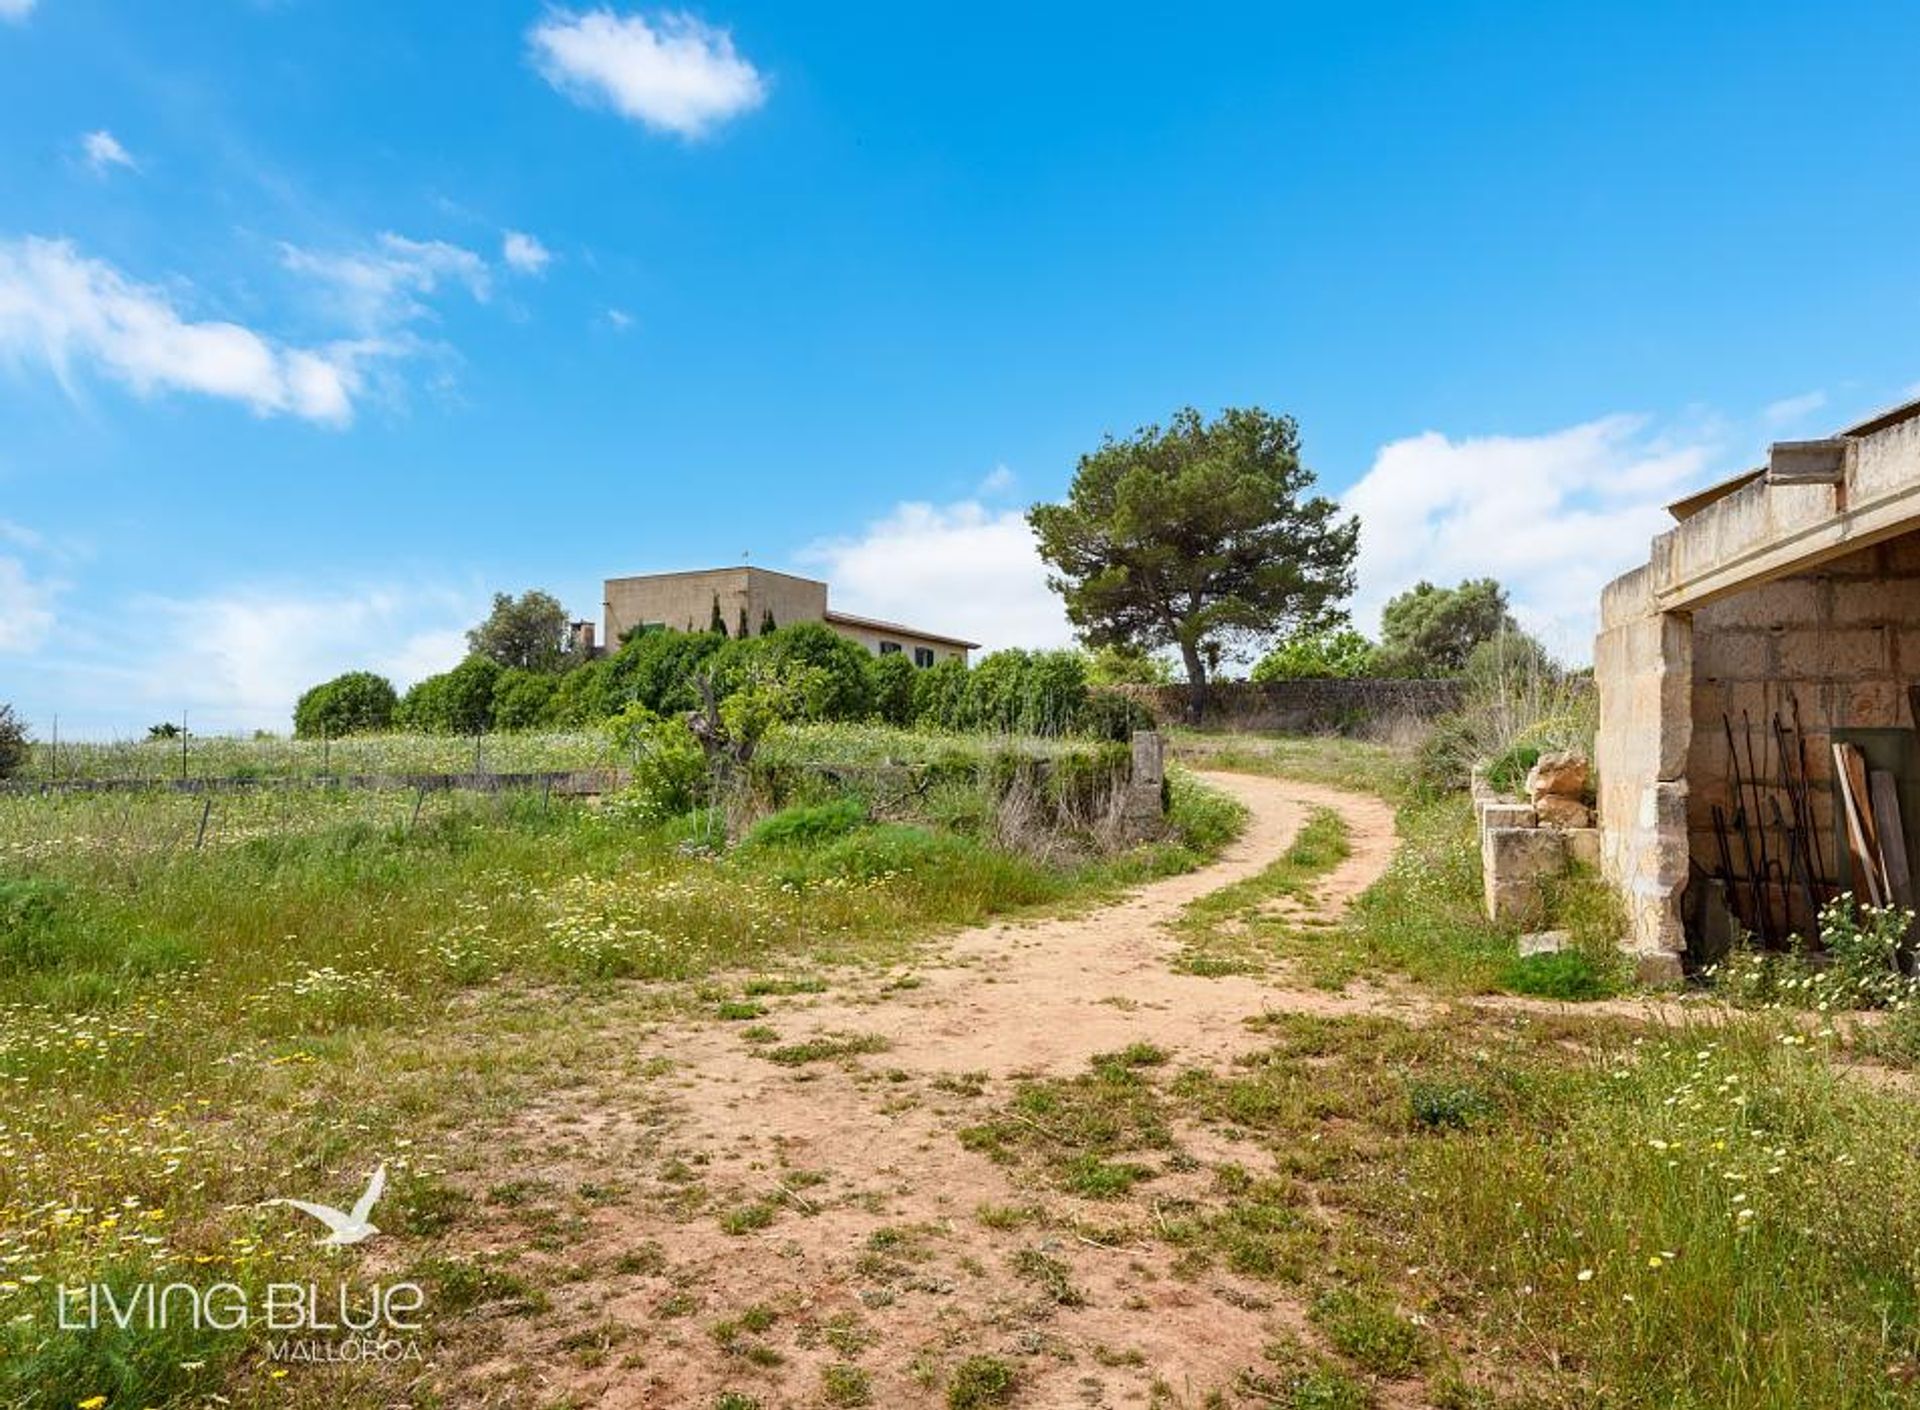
(358, 702)
(807, 826)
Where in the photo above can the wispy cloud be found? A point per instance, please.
(962, 568)
(60, 309)
(380, 288)
(102, 151)
(15, 10)
(673, 73)
(619, 319)
(236, 657)
(26, 607)
(524, 253)
(1554, 517)
(1788, 410)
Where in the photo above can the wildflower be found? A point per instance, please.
(92, 1402)
(1655, 1261)
(1585, 1275)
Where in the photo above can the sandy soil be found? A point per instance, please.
(841, 1152)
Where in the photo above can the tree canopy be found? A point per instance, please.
(1432, 631)
(1337, 654)
(1199, 536)
(528, 632)
(354, 703)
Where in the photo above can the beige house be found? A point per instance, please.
(747, 599)
(1778, 618)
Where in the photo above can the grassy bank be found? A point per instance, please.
(1509, 1213)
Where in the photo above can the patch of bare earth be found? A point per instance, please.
(706, 1218)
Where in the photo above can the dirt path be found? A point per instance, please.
(838, 1197)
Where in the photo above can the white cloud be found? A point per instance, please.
(16, 10)
(103, 150)
(525, 253)
(379, 289)
(620, 319)
(961, 569)
(239, 659)
(674, 73)
(1791, 409)
(58, 307)
(997, 481)
(26, 604)
(1553, 517)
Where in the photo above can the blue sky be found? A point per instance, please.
(320, 320)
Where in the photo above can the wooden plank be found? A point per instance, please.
(1885, 791)
(1846, 759)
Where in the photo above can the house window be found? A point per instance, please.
(923, 655)
(889, 648)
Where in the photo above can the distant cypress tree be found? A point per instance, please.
(718, 626)
(766, 621)
(742, 633)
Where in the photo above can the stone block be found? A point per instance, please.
(1544, 942)
(1583, 846)
(1562, 774)
(1499, 813)
(1732, 654)
(1555, 811)
(1851, 653)
(1869, 705)
(1516, 863)
(1788, 603)
(1657, 968)
(1903, 554)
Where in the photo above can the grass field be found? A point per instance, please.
(1446, 1200)
(206, 1006)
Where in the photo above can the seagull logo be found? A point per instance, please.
(351, 1227)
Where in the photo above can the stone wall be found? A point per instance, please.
(1843, 641)
(1643, 664)
(1309, 707)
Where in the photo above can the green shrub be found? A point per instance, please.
(808, 826)
(1568, 975)
(459, 701)
(1112, 714)
(890, 849)
(15, 743)
(980, 1381)
(838, 672)
(358, 702)
(656, 669)
(669, 770)
(580, 697)
(521, 698)
(940, 696)
(1442, 1105)
(1335, 655)
(1508, 770)
(890, 683)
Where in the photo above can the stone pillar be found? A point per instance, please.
(1643, 671)
(1145, 805)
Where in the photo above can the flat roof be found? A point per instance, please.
(709, 572)
(875, 624)
(1692, 504)
(1893, 416)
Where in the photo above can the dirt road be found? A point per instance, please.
(748, 1227)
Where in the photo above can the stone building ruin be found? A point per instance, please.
(1780, 616)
